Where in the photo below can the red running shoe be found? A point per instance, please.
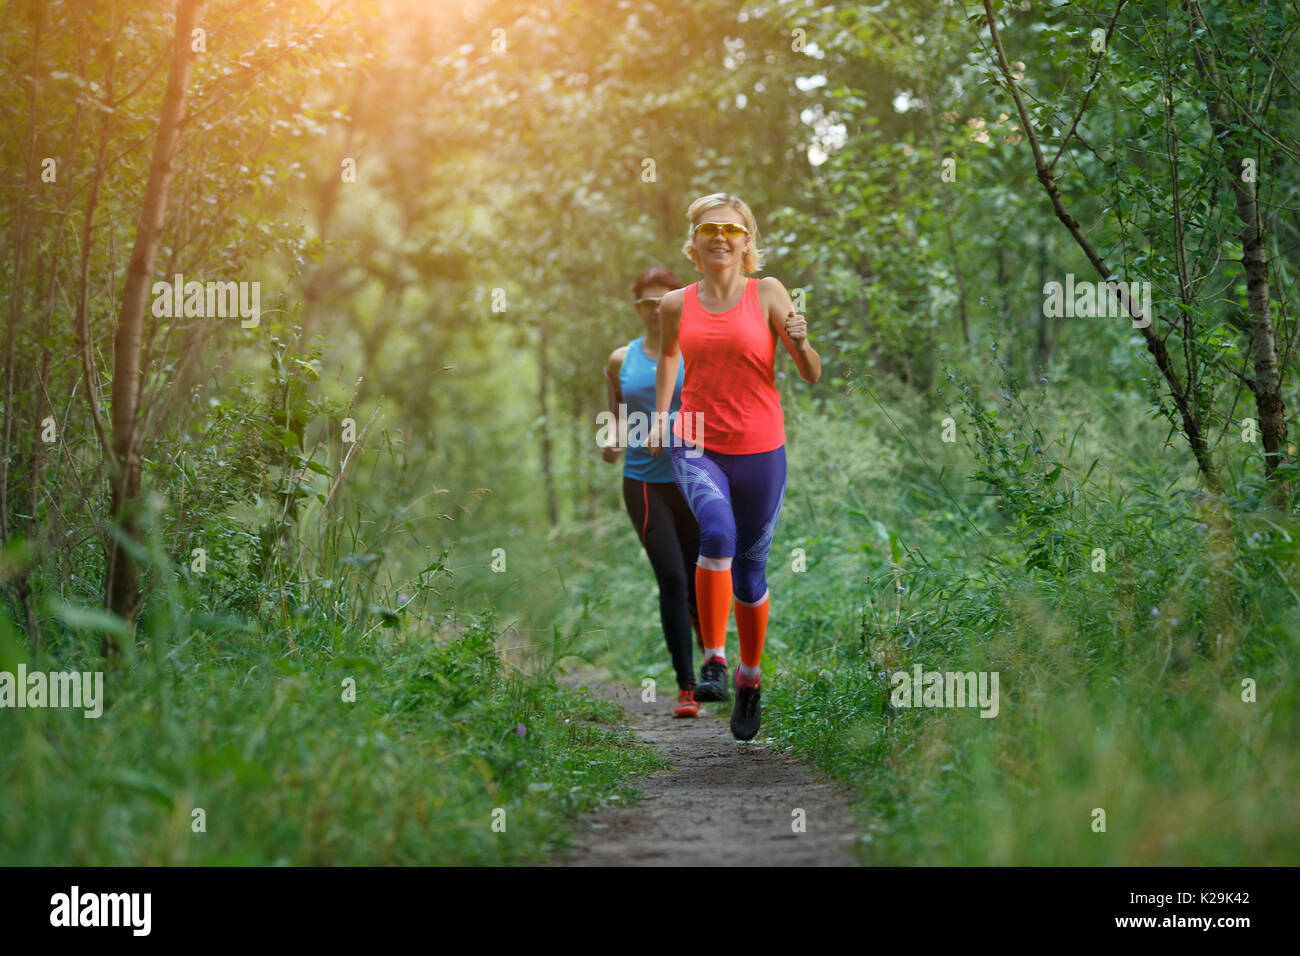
(687, 706)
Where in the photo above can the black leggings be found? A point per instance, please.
(671, 539)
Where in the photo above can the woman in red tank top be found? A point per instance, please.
(728, 442)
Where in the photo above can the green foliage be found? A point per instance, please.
(280, 559)
(215, 717)
(1120, 688)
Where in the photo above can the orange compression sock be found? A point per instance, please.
(713, 600)
(751, 625)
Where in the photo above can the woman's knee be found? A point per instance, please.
(717, 533)
(717, 542)
(672, 583)
(748, 581)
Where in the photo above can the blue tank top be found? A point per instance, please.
(636, 379)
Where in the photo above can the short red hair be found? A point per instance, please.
(655, 277)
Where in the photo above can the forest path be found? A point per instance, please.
(722, 802)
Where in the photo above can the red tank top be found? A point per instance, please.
(729, 399)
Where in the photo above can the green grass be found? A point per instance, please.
(440, 735)
(1121, 690)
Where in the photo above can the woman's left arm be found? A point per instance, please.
(792, 327)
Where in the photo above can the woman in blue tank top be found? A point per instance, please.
(660, 515)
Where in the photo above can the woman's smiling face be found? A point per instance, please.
(718, 251)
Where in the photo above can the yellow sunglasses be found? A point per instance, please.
(732, 230)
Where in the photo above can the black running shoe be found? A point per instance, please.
(747, 713)
(713, 681)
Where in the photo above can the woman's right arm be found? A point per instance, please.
(613, 366)
(670, 314)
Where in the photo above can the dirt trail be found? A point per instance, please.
(723, 802)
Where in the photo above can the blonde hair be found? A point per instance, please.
(753, 257)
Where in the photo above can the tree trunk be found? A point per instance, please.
(1046, 336)
(121, 584)
(327, 272)
(1192, 427)
(1267, 383)
(945, 214)
(10, 462)
(543, 385)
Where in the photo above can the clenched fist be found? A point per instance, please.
(796, 326)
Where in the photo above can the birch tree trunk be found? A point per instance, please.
(121, 585)
(1267, 383)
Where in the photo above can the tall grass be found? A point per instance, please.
(316, 697)
(1121, 684)
(439, 737)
